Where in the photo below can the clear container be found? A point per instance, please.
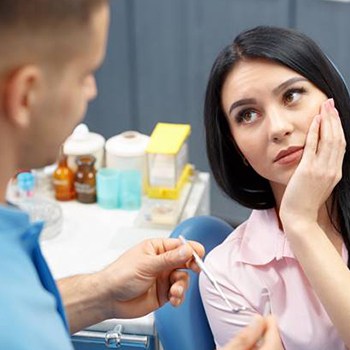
(164, 170)
(40, 209)
(161, 212)
(21, 194)
(43, 180)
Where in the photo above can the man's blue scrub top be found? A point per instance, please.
(31, 310)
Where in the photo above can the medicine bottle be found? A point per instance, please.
(63, 179)
(85, 179)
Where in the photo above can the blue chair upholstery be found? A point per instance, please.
(186, 327)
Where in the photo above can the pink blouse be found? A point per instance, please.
(257, 269)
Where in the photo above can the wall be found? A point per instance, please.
(160, 53)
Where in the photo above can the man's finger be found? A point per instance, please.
(249, 336)
(272, 338)
(176, 257)
(178, 288)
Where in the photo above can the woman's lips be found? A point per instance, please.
(290, 157)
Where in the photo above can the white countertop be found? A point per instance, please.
(93, 237)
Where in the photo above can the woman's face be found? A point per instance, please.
(269, 108)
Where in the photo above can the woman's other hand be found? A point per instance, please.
(319, 171)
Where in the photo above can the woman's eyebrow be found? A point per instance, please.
(285, 84)
(244, 101)
(275, 91)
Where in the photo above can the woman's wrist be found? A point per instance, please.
(299, 228)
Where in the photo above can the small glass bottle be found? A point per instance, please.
(63, 179)
(85, 179)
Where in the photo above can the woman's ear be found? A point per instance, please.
(21, 90)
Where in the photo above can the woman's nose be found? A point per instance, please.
(279, 125)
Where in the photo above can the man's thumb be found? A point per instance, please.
(172, 259)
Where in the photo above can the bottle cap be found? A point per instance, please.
(127, 144)
(85, 160)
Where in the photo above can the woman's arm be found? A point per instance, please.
(326, 272)
(301, 208)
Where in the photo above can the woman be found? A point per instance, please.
(277, 123)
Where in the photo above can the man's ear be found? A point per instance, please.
(20, 93)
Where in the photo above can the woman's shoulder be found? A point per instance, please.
(249, 236)
(229, 246)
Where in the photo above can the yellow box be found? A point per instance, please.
(167, 160)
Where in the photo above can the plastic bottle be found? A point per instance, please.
(85, 179)
(63, 180)
(25, 185)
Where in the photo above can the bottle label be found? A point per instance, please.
(84, 188)
(58, 182)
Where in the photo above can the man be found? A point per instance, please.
(50, 50)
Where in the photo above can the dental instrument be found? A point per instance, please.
(211, 278)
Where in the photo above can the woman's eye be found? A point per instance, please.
(292, 95)
(247, 116)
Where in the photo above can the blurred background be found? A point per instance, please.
(160, 53)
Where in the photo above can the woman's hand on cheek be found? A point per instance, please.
(319, 170)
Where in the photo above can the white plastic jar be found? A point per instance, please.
(127, 151)
(83, 142)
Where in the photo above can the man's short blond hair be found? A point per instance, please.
(38, 15)
(46, 30)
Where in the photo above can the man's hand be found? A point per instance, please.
(261, 334)
(147, 276)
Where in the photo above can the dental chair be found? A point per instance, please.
(186, 327)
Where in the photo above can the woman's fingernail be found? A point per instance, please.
(331, 102)
(327, 105)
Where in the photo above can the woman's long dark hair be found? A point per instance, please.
(299, 53)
